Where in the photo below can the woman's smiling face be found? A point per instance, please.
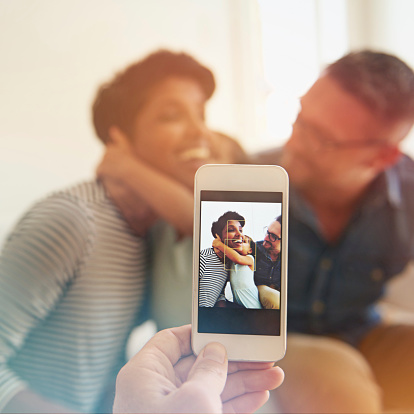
(170, 132)
(232, 235)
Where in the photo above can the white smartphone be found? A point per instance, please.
(240, 260)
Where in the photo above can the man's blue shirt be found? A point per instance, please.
(267, 272)
(332, 289)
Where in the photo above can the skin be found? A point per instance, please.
(273, 248)
(168, 143)
(236, 257)
(333, 178)
(232, 235)
(143, 201)
(246, 249)
(170, 133)
(165, 376)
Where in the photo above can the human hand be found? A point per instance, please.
(217, 243)
(119, 156)
(165, 377)
(116, 172)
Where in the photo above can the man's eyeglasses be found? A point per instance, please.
(324, 142)
(272, 236)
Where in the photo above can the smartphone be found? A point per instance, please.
(240, 260)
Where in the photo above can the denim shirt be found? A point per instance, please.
(267, 272)
(333, 288)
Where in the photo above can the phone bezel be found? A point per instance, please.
(264, 178)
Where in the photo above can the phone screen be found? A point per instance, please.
(240, 262)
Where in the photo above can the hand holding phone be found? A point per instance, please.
(240, 260)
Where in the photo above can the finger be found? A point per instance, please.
(244, 382)
(118, 138)
(235, 366)
(169, 344)
(183, 367)
(247, 403)
(205, 382)
(210, 368)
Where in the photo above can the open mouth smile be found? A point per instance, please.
(195, 154)
(235, 242)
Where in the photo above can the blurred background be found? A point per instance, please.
(264, 54)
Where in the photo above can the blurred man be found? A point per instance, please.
(351, 231)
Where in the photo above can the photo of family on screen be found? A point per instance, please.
(240, 245)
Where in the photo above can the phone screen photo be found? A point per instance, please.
(240, 240)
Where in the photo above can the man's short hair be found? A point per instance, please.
(118, 101)
(381, 81)
(218, 226)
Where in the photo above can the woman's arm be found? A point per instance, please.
(234, 256)
(35, 267)
(168, 198)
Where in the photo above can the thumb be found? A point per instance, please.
(210, 368)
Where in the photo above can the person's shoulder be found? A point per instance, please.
(84, 192)
(402, 175)
(260, 250)
(270, 156)
(76, 200)
(61, 211)
(405, 169)
(86, 198)
(58, 224)
(400, 179)
(259, 245)
(207, 252)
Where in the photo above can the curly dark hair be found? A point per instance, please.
(218, 226)
(118, 101)
(380, 80)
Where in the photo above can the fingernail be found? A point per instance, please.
(215, 352)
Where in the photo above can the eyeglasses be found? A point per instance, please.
(326, 143)
(272, 236)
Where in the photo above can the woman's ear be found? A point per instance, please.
(118, 137)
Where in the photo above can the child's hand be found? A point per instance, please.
(217, 243)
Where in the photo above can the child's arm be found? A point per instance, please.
(168, 198)
(234, 256)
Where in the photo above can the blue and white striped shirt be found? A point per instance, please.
(72, 281)
(212, 279)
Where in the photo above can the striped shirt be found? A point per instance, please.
(72, 280)
(213, 277)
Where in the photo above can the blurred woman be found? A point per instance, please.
(73, 273)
